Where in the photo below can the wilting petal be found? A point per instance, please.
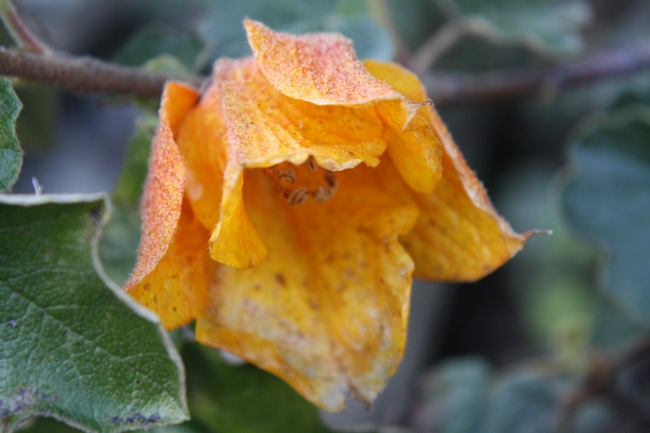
(327, 310)
(265, 127)
(458, 236)
(200, 140)
(305, 174)
(267, 123)
(177, 289)
(262, 128)
(323, 69)
(163, 189)
(170, 276)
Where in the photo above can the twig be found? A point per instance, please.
(88, 75)
(380, 11)
(20, 32)
(438, 44)
(452, 89)
(85, 74)
(602, 382)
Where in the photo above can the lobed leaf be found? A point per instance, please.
(74, 348)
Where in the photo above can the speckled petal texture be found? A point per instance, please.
(289, 206)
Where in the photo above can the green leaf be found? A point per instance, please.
(223, 26)
(547, 26)
(466, 397)
(597, 416)
(48, 425)
(243, 398)
(11, 155)
(134, 171)
(608, 202)
(371, 41)
(155, 41)
(613, 328)
(118, 247)
(224, 30)
(168, 11)
(37, 122)
(119, 244)
(73, 347)
(459, 390)
(525, 402)
(477, 54)
(414, 20)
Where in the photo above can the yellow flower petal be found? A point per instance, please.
(321, 68)
(327, 310)
(263, 127)
(459, 235)
(177, 289)
(171, 275)
(163, 190)
(305, 171)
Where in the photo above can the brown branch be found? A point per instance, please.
(84, 74)
(88, 75)
(601, 381)
(20, 32)
(438, 44)
(454, 89)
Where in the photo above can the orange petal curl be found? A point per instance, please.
(170, 276)
(459, 236)
(316, 293)
(322, 68)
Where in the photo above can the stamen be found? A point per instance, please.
(296, 196)
(281, 173)
(284, 179)
(331, 180)
(311, 164)
(323, 193)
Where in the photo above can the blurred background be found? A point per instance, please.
(505, 354)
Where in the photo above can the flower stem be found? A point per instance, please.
(84, 74)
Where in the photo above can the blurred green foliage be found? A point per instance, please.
(608, 202)
(548, 26)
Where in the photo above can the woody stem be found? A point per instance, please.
(455, 89)
(85, 74)
(89, 75)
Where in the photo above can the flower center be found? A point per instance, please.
(296, 183)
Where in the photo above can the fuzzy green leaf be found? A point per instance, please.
(11, 155)
(73, 347)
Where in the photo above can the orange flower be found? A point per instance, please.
(288, 207)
